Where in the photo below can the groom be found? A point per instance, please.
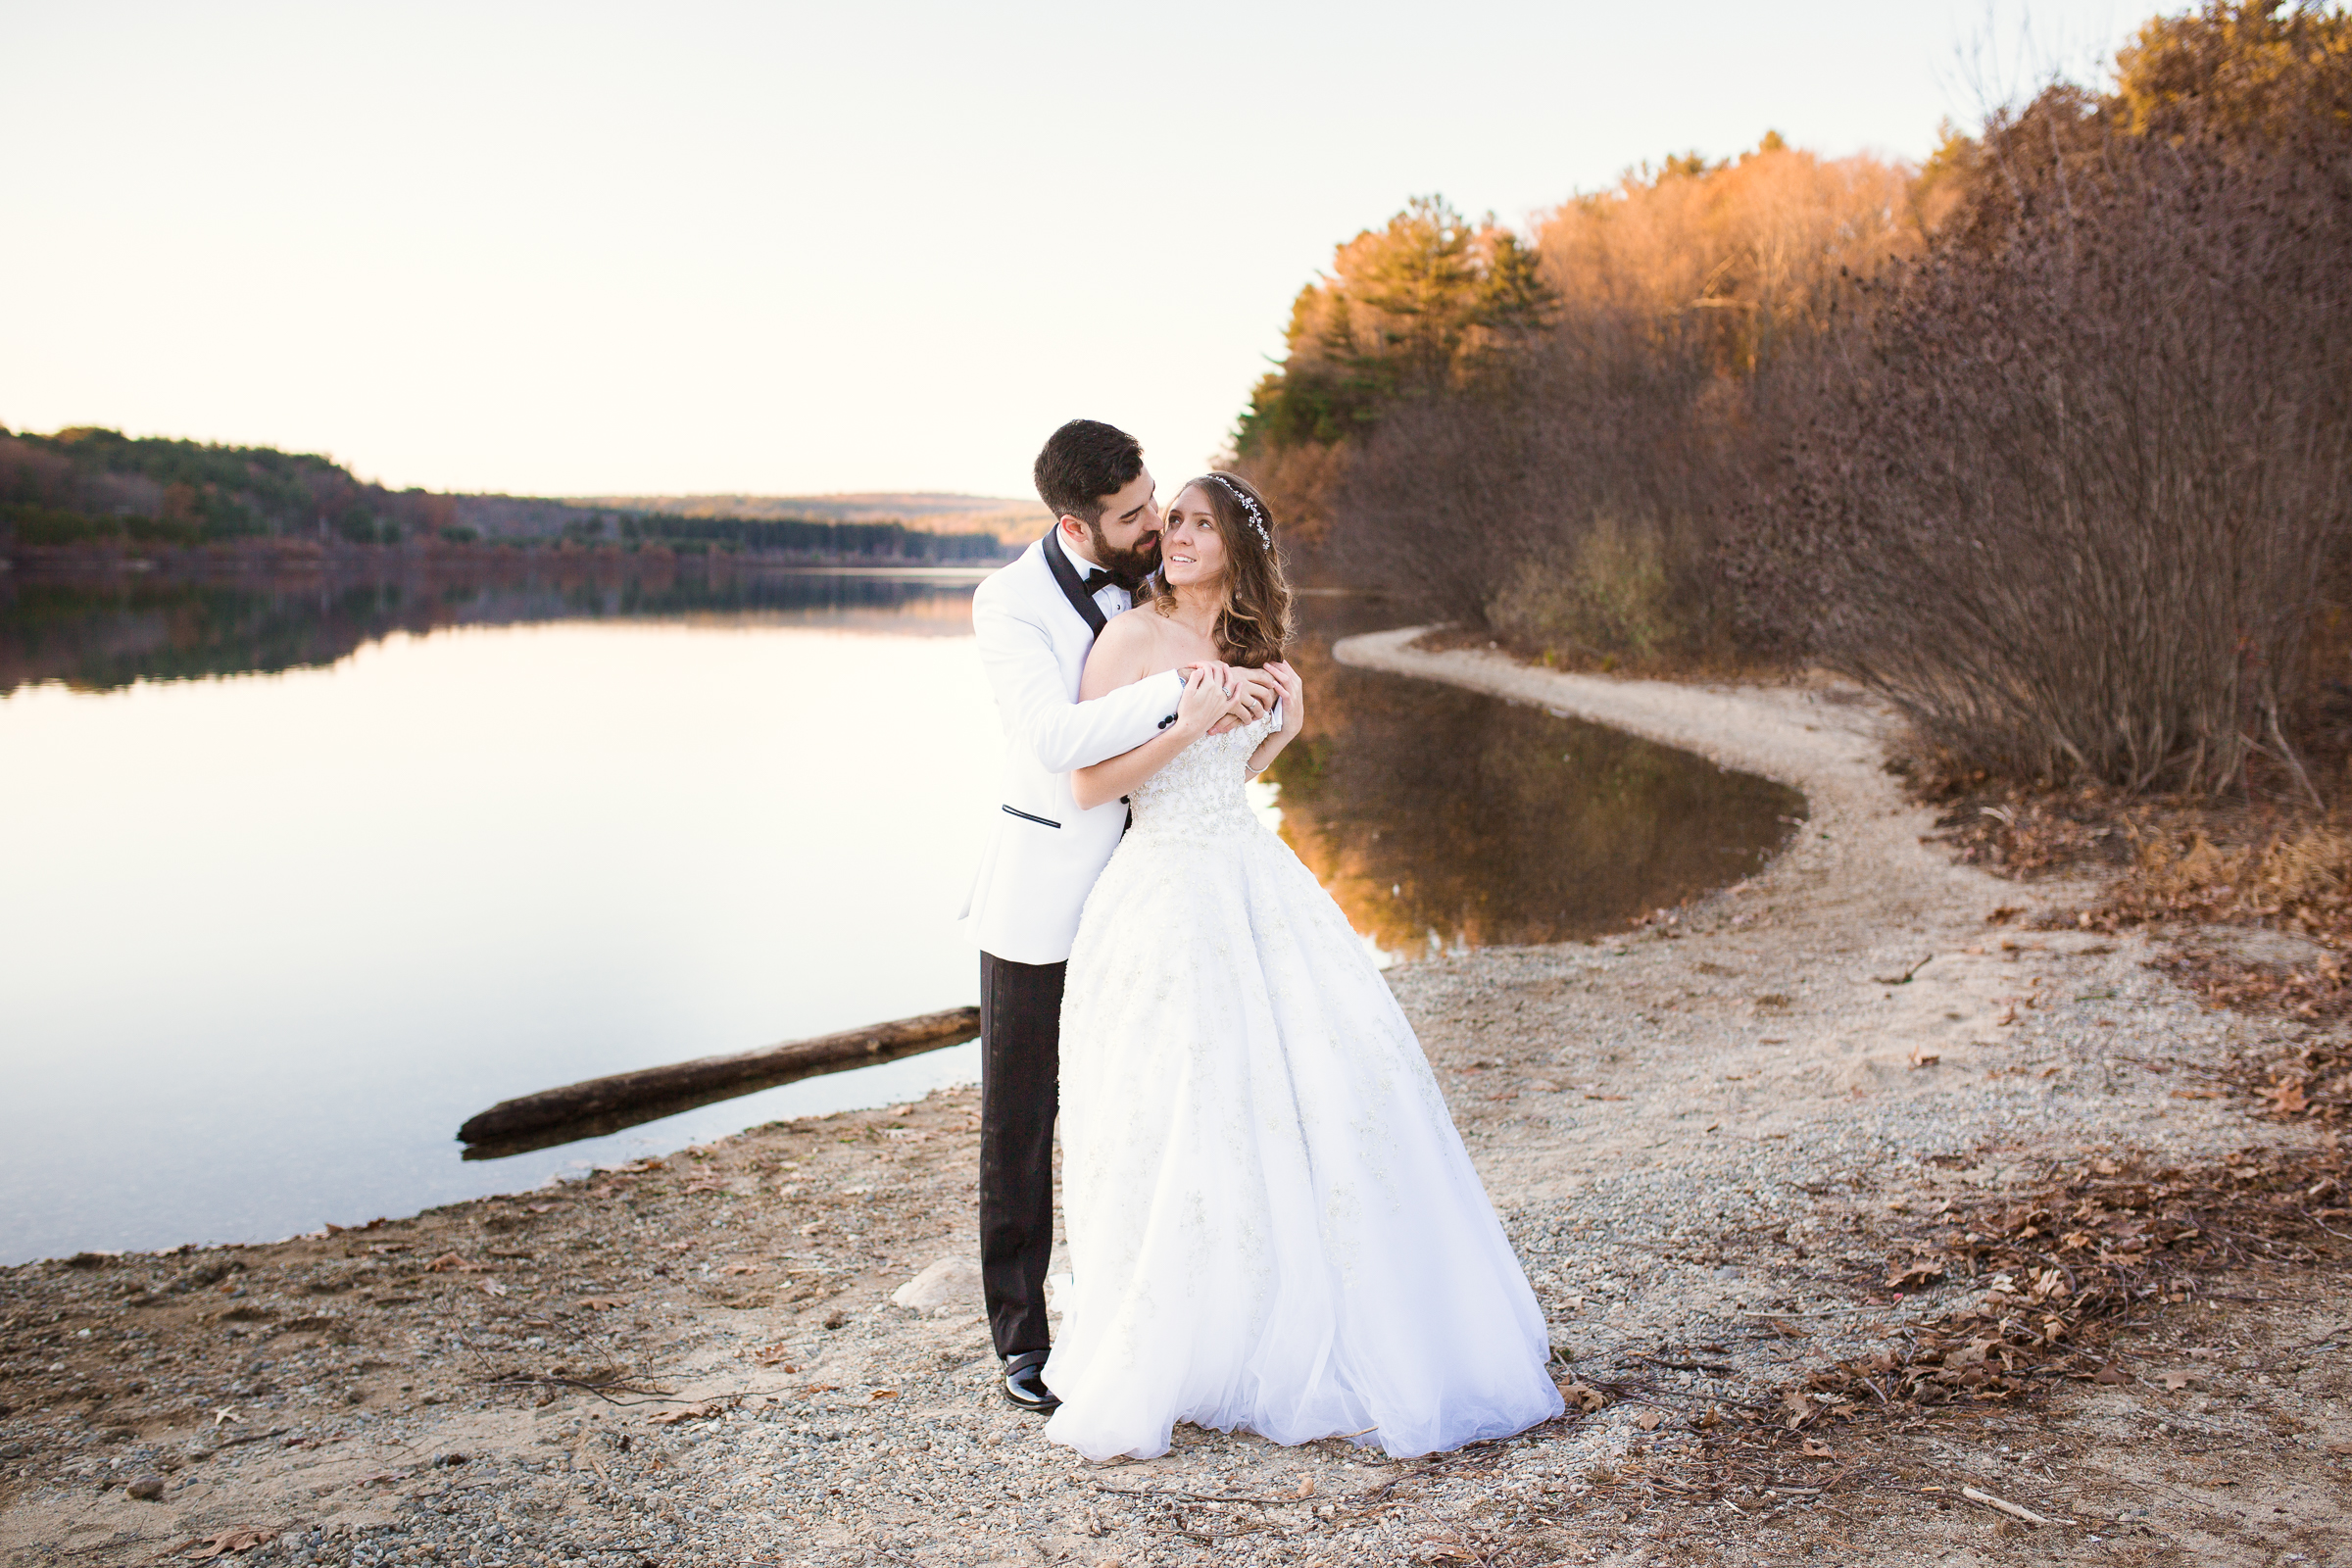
(1036, 619)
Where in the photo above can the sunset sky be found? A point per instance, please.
(594, 248)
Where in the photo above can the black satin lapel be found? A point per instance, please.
(1071, 588)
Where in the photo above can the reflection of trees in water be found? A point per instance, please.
(101, 633)
(1421, 806)
(1427, 808)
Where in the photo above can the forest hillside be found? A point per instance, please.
(86, 488)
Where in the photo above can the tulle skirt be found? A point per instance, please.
(1273, 1224)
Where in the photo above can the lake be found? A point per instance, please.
(302, 875)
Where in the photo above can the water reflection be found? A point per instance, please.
(1442, 820)
(104, 633)
(279, 934)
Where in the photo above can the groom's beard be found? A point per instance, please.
(1138, 560)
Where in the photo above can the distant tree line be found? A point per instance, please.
(809, 537)
(2048, 439)
(90, 486)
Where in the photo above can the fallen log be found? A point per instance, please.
(749, 1069)
(637, 1113)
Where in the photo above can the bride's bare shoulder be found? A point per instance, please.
(1135, 632)
(1127, 649)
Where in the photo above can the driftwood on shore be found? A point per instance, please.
(708, 1078)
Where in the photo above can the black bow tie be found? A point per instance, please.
(1099, 579)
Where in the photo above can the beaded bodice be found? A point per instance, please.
(1200, 794)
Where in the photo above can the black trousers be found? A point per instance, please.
(1020, 1090)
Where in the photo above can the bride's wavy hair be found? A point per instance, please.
(1255, 625)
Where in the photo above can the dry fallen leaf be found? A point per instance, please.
(1582, 1395)
(1306, 1487)
(693, 1412)
(1924, 1058)
(228, 1541)
(1648, 1420)
(2111, 1374)
(770, 1355)
(1920, 1273)
(885, 1394)
(444, 1263)
(1817, 1450)
(740, 1268)
(2179, 1379)
(603, 1303)
(493, 1288)
(2286, 1098)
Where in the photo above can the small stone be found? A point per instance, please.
(12, 1451)
(948, 1282)
(147, 1489)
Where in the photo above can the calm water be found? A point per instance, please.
(298, 879)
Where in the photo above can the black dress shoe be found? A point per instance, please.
(1025, 1380)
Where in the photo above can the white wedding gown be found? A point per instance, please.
(1273, 1224)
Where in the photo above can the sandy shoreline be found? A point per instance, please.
(1703, 1139)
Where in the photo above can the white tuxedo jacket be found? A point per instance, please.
(1036, 625)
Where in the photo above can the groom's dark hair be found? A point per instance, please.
(1083, 461)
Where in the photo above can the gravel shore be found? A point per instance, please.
(1706, 1139)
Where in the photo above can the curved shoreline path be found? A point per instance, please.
(1828, 744)
(1706, 1138)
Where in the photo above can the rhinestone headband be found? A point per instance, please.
(1257, 517)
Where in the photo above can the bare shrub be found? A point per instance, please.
(2071, 503)
(1571, 506)
(1611, 595)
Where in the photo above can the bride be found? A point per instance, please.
(1272, 1222)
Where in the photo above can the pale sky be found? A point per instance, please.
(594, 248)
